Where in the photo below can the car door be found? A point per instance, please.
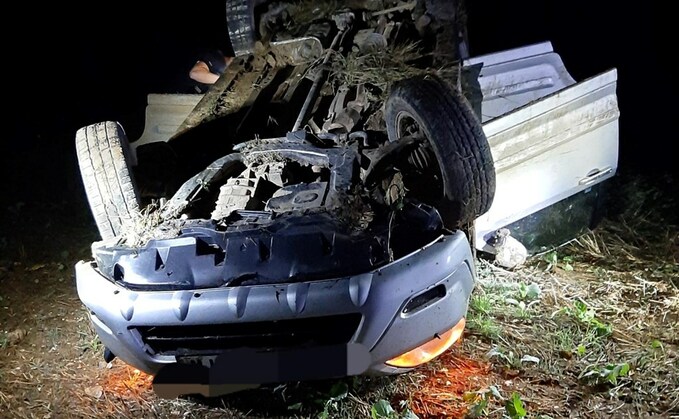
(554, 142)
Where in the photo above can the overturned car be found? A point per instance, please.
(331, 227)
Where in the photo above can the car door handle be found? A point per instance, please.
(594, 176)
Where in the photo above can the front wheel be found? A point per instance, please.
(104, 159)
(452, 168)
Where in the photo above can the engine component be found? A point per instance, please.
(248, 191)
(298, 197)
(368, 41)
(343, 114)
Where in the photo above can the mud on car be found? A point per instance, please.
(314, 214)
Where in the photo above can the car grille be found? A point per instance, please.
(270, 335)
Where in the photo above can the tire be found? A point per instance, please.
(104, 157)
(240, 21)
(455, 136)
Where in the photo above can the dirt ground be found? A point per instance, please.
(590, 330)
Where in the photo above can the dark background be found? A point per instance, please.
(592, 37)
(75, 65)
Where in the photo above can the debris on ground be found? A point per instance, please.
(16, 336)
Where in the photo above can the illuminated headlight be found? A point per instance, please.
(429, 350)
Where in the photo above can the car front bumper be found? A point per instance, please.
(401, 306)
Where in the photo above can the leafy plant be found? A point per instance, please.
(529, 292)
(478, 409)
(587, 317)
(382, 409)
(571, 340)
(483, 398)
(509, 358)
(338, 392)
(552, 259)
(653, 353)
(514, 407)
(608, 373)
(656, 344)
(524, 298)
(580, 350)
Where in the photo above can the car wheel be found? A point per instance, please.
(453, 160)
(240, 21)
(104, 156)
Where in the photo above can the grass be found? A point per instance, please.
(142, 226)
(382, 67)
(306, 11)
(603, 324)
(89, 341)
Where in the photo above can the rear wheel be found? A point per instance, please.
(451, 167)
(104, 159)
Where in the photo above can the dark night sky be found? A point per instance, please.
(83, 64)
(96, 62)
(591, 37)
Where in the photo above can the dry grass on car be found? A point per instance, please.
(382, 67)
